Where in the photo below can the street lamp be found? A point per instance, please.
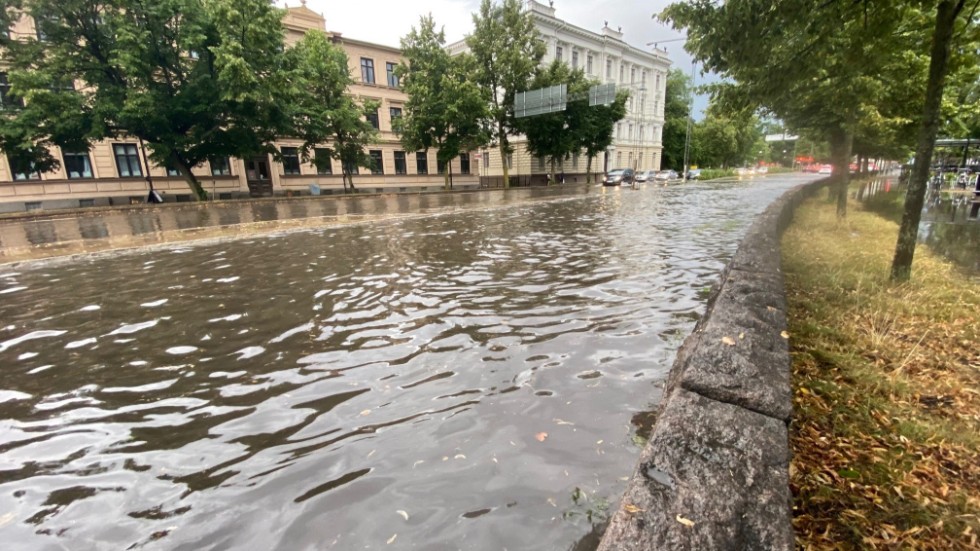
(690, 117)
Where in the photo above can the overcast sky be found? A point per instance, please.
(386, 21)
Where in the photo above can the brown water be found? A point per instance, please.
(458, 381)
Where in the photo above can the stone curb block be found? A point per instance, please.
(715, 473)
(714, 476)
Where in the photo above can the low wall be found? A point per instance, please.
(715, 472)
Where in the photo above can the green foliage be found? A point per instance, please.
(446, 108)
(194, 79)
(556, 136)
(595, 130)
(724, 140)
(677, 109)
(322, 110)
(507, 51)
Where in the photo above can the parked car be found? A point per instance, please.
(743, 171)
(646, 175)
(694, 174)
(762, 170)
(665, 175)
(825, 169)
(619, 177)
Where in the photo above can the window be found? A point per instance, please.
(540, 163)
(630, 135)
(574, 59)
(172, 169)
(510, 160)
(400, 166)
(464, 163)
(372, 118)
(486, 160)
(23, 170)
(558, 53)
(350, 167)
(41, 22)
(622, 72)
(77, 164)
(392, 77)
(608, 68)
(440, 166)
(422, 162)
(377, 163)
(644, 78)
(395, 113)
(290, 160)
(321, 158)
(588, 64)
(632, 75)
(127, 160)
(5, 99)
(220, 166)
(643, 102)
(367, 70)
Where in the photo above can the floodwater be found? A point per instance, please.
(465, 380)
(949, 225)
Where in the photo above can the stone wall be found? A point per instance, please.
(715, 473)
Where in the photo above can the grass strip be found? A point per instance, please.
(886, 429)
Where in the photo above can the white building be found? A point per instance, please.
(605, 57)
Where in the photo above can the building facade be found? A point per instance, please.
(118, 172)
(604, 57)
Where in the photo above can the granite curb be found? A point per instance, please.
(715, 472)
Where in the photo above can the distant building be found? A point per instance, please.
(607, 58)
(116, 171)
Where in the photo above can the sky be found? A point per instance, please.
(386, 21)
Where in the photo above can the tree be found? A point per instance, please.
(507, 51)
(446, 108)
(556, 136)
(322, 111)
(947, 13)
(193, 79)
(596, 131)
(815, 64)
(727, 140)
(677, 110)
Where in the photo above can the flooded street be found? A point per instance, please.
(465, 380)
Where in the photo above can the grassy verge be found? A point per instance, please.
(886, 434)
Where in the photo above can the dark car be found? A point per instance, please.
(619, 177)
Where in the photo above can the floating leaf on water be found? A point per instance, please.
(403, 514)
(392, 539)
(728, 340)
(784, 335)
(460, 456)
(685, 521)
(366, 412)
(562, 422)
(541, 436)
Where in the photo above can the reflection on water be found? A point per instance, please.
(948, 224)
(465, 380)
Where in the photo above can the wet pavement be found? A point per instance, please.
(471, 379)
(89, 230)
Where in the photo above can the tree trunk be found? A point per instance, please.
(551, 175)
(192, 182)
(588, 170)
(942, 38)
(840, 144)
(503, 154)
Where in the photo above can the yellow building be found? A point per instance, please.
(116, 172)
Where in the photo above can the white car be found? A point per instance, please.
(646, 175)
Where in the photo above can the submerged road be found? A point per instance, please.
(474, 379)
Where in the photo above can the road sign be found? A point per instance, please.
(602, 94)
(541, 101)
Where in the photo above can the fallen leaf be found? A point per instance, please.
(685, 521)
(460, 456)
(366, 412)
(403, 514)
(391, 540)
(784, 335)
(631, 509)
(741, 336)
(728, 340)
(541, 436)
